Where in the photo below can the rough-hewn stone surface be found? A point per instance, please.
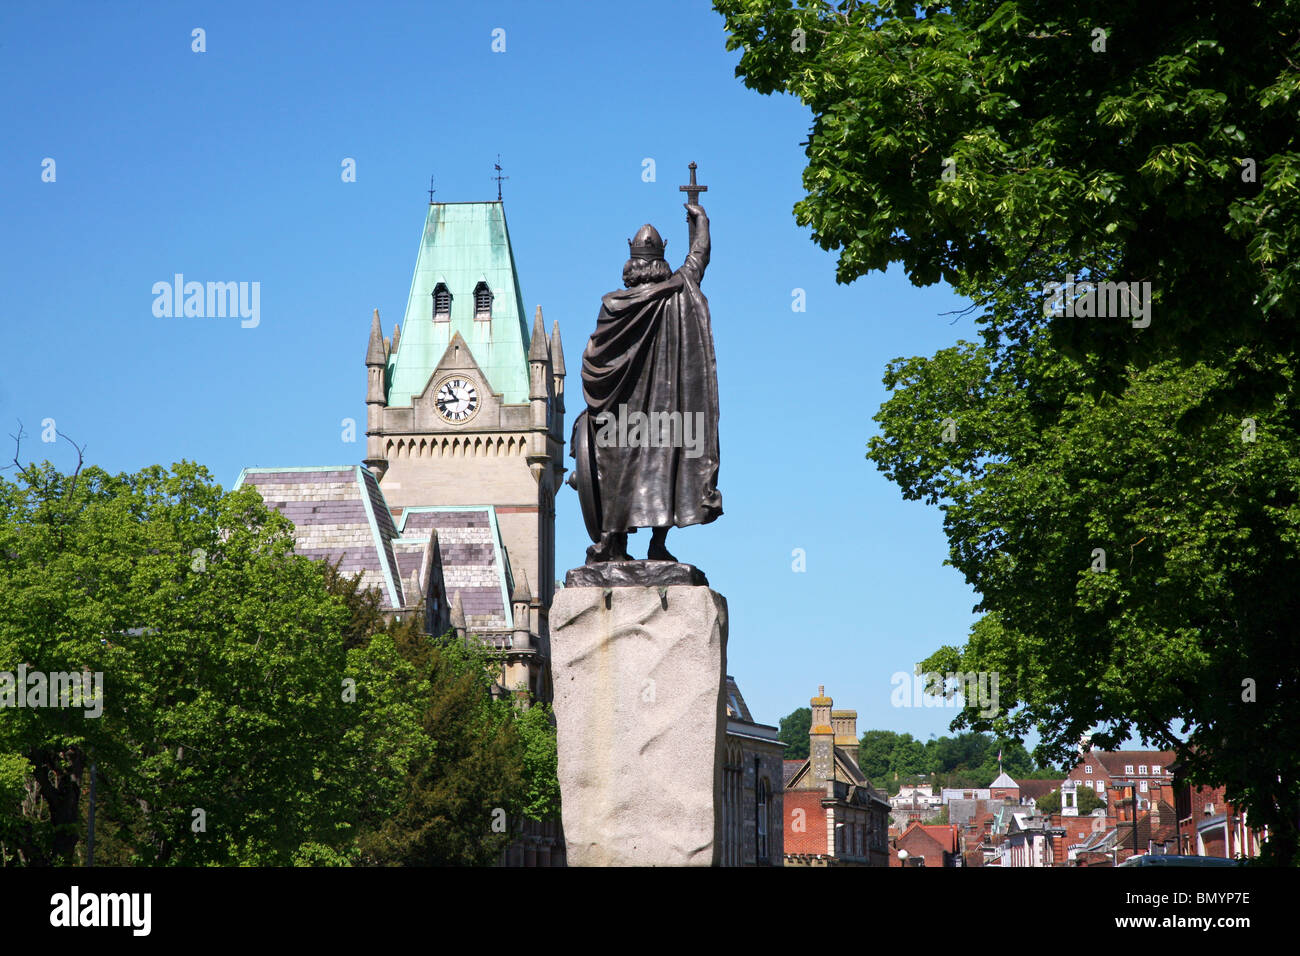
(640, 684)
(643, 574)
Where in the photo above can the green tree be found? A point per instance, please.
(910, 758)
(793, 732)
(458, 769)
(14, 773)
(541, 790)
(466, 779)
(1123, 497)
(995, 145)
(876, 757)
(1087, 798)
(219, 654)
(257, 707)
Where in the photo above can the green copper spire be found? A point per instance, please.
(464, 244)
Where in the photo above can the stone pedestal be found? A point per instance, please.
(640, 681)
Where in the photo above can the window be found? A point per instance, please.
(482, 302)
(441, 303)
(762, 821)
(1142, 786)
(1128, 769)
(1142, 770)
(1087, 769)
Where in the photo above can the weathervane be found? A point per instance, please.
(430, 190)
(498, 177)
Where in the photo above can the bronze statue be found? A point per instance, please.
(646, 448)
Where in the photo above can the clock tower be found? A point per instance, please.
(465, 407)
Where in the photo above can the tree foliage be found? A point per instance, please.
(1107, 139)
(891, 760)
(257, 707)
(1124, 499)
(793, 732)
(1088, 800)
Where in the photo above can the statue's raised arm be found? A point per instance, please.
(697, 260)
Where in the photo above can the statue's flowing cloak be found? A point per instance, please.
(652, 352)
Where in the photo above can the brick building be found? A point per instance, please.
(935, 844)
(833, 816)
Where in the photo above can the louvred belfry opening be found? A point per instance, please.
(482, 302)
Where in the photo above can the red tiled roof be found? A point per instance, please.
(1038, 788)
(1116, 760)
(945, 834)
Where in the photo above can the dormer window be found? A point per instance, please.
(482, 302)
(441, 303)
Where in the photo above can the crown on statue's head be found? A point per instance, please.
(646, 244)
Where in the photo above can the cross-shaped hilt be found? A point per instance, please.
(693, 191)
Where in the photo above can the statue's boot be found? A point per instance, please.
(658, 551)
(612, 547)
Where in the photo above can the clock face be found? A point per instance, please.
(457, 400)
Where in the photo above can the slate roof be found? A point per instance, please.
(736, 706)
(789, 769)
(963, 812)
(474, 560)
(338, 513)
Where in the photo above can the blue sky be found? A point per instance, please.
(226, 165)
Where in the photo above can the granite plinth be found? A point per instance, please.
(640, 689)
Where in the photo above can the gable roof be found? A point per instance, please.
(846, 770)
(463, 244)
(944, 834)
(1004, 782)
(338, 513)
(789, 768)
(1037, 788)
(922, 841)
(737, 709)
(474, 560)
(1114, 761)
